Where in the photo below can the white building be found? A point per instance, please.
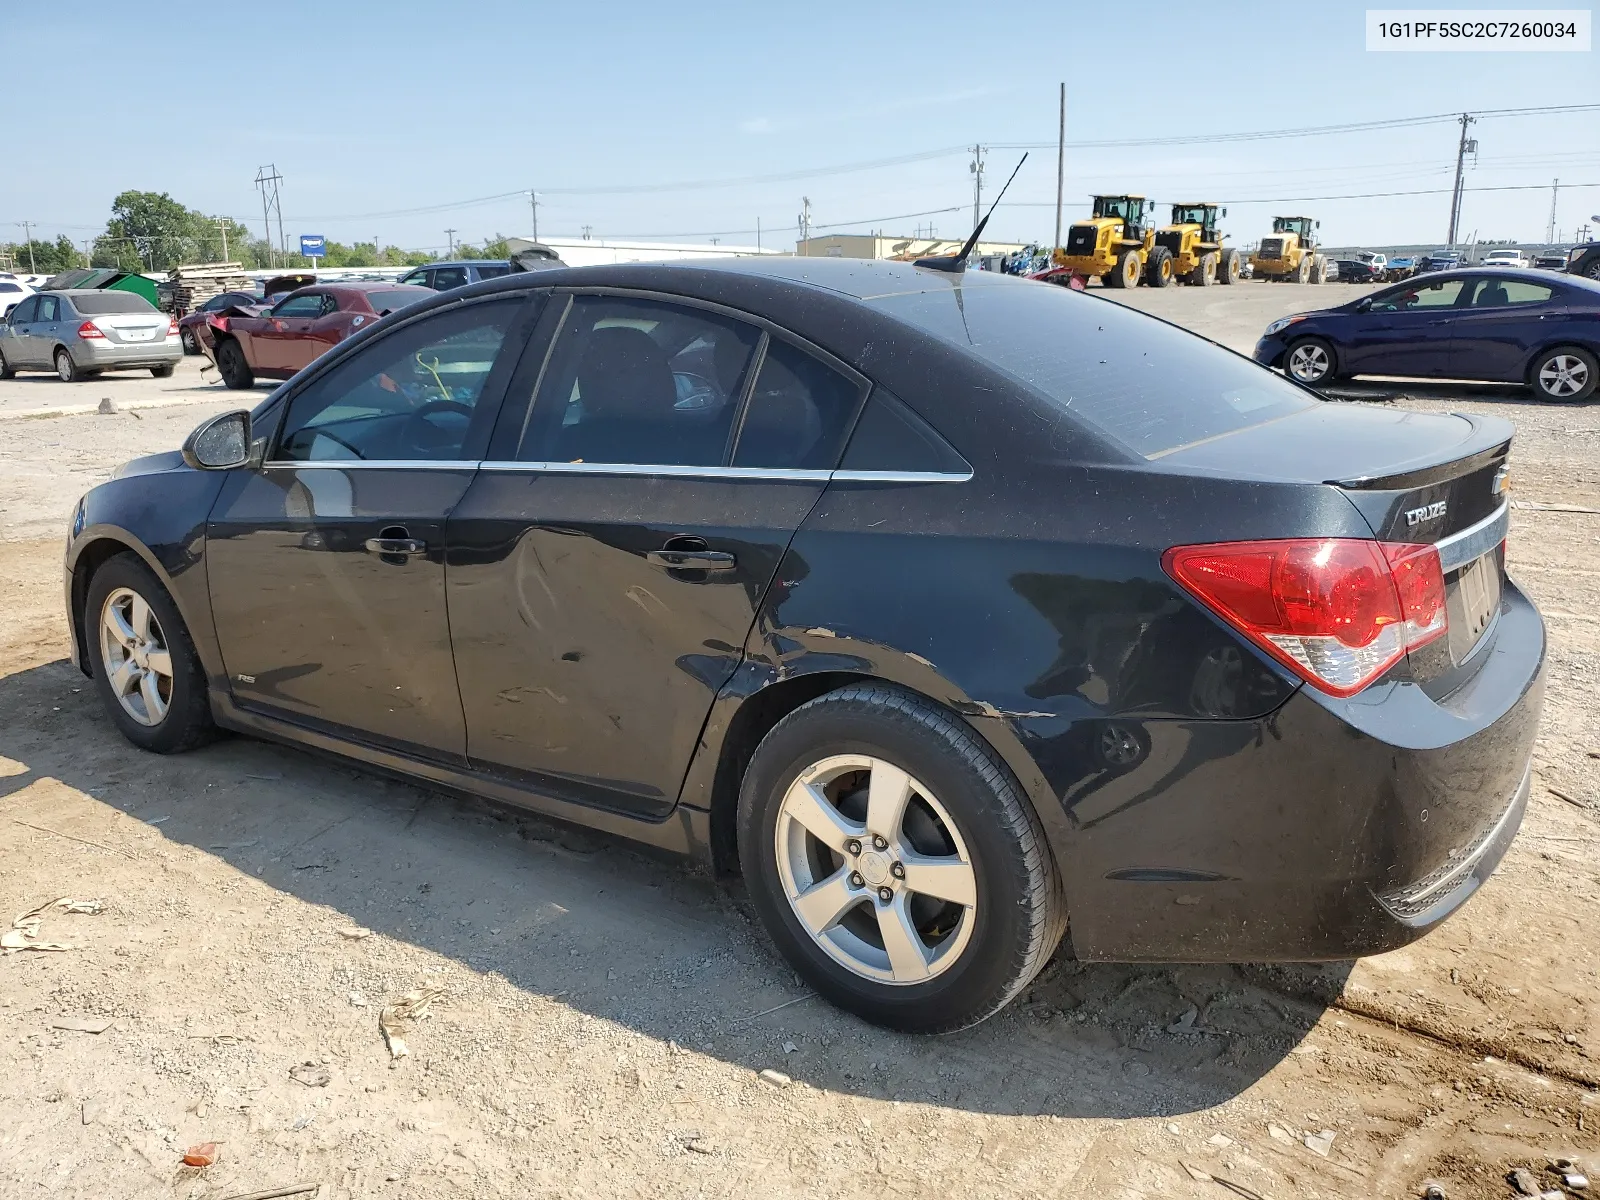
(588, 252)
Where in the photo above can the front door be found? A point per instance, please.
(276, 347)
(1504, 321)
(326, 564)
(603, 578)
(1405, 331)
(15, 343)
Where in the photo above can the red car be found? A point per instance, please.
(278, 343)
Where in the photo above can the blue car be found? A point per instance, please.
(1498, 325)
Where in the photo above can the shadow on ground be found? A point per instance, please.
(1398, 391)
(627, 937)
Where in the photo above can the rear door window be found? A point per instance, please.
(445, 278)
(1152, 386)
(640, 382)
(299, 306)
(799, 413)
(1508, 293)
(890, 437)
(49, 308)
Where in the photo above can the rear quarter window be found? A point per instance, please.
(1152, 386)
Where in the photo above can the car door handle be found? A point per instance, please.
(690, 554)
(395, 545)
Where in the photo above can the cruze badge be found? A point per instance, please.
(1429, 512)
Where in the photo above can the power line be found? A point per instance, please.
(1520, 187)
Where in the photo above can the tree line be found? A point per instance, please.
(152, 232)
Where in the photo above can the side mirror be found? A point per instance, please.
(220, 444)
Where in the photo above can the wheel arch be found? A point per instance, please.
(1550, 347)
(1333, 349)
(94, 548)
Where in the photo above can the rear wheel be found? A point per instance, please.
(1310, 361)
(1228, 266)
(1565, 373)
(1592, 271)
(233, 368)
(1319, 270)
(144, 663)
(1158, 270)
(67, 370)
(1126, 273)
(1302, 273)
(164, 371)
(895, 861)
(190, 345)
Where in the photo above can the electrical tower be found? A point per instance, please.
(268, 179)
(1466, 147)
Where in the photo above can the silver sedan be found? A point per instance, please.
(80, 333)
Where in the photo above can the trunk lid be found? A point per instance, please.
(132, 328)
(1422, 478)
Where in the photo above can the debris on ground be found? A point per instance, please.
(83, 1024)
(395, 1018)
(355, 933)
(293, 1189)
(203, 1155)
(1219, 1140)
(1432, 1189)
(1522, 1179)
(699, 1145)
(1574, 1180)
(1319, 1143)
(1195, 1173)
(24, 931)
(1185, 1022)
(776, 1078)
(311, 1074)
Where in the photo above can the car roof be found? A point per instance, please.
(362, 285)
(1530, 274)
(463, 262)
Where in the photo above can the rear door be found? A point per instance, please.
(607, 563)
(1405, 330)
(1505, 320)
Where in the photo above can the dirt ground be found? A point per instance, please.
(605, 1015)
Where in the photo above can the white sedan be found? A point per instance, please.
(1505, 258)
(12, 293)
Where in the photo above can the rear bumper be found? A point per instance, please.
(105, 356)
(1330, 830)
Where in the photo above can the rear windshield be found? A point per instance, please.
(111, 302)
(389, 300)
(493, 272)
(1150, 385)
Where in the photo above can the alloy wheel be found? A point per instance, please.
(64, 371)
(875, 869)
(134, 653)
(1308, 363)
(1563, 375)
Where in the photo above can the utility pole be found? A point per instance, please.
(451, 234)
(1061, 162)
(976, 167)
(805, 224)
(586, 231)
(27, 236)
(222, 225)
(377, 249)
(1550, 230)
(268, 179)
(1466, 146)
(533, 199)
(88, 252)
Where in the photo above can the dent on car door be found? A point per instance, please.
(326, 564)
(1503, 322)
(607, 564)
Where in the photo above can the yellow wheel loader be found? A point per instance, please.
(1291, 252)
(1190, 249)
(1113, 245)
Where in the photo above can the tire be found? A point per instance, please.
(164, 371)
(7, 371)
(1158, 271)
(1564, 373)
(1319, 270)
(1310, 361)
(983, 954)
(233, 367)
(190, 345)
(67, 370)
(1126, 273)
(1228, 266)
(1592, 271)
(1205, 274)
(1302, 273)
(179, 719)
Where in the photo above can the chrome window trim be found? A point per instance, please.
(750, 474)
(1462, 547)
(902, 476)
(371, 464)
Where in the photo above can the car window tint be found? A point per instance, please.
(1502, 293)
(890, 437)
(639, 382)
(9, 287)
(1441, 294)
(416, 279)
(299, 306)
(445, 278)
(1151, 385)
(25, 311)
(49, 308)
(493, 271)
(799, 413)
(216, 303)
(410, 395)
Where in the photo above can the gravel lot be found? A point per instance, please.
(605, 1015)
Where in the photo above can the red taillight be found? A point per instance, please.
(89, 330)
(1339, 612)
(172, 327)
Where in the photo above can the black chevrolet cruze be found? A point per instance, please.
(955, 611)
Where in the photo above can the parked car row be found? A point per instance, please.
(79, 333)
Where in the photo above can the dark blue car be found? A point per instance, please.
(1493, 324)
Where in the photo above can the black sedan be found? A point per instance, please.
(955, 611)
(1497, 325)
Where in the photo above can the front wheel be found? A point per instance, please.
(1565, 373)
(896, 862)
(233, 367)
(1158, 270)
(144, 663)
(7, 371)
(1310, 361)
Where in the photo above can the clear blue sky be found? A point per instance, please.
(368, 108)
